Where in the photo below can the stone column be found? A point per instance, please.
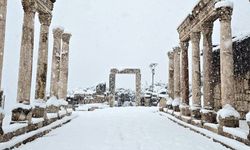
(196, 75)
(227, 69)
(112, 78)
(171, 75)
(41, 78)
(64, 67)
(177, 91)
(55, 66)
(184, 79)
(26, 54)
(3, 11)
(208, 115)
(138, 88)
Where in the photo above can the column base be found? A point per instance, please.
(185, 111)
(38, 112)
(21, 115)
(52, 109)
(176, 108)
(195, 113)
(231, 122)
(208, 116)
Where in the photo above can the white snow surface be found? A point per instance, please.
(128, 128)
(38, 103)
(227, 111)
(169, 101)
(248, 117)
(53, 101)
(224, 3)
(23, 106)
(176, 102)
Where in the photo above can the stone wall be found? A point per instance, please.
(241, 52)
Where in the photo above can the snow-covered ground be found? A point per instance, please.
(129, 128)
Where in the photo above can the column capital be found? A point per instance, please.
(225, 13)
(57, 32)
(45, 18)
(171, 55)
(195, 36)
(29, 6)
(184, 45)
(207, 28)
(66, 37)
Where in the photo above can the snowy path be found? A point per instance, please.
(122, 129)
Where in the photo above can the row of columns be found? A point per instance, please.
(181, 78)
(60, 61)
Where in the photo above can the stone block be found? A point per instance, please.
(185, 111)
(231, 122)
(52, 109)
(21, 114)
(38, 112)
(196, 114)
(208, 117)
(176, 108)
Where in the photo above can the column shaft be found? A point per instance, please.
(112, 83)
(55, 66)
(138, 88)
(3, 11)
(171, 75)
(196, 73)
(226, 58)
(177, 73)
(26, 53)
(42, 63)
(64, 67)
(184, 73)
(207, 31)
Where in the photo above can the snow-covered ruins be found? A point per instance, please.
(203, 104)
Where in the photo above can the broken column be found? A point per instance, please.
(170, 80)
(138, 88)
(196, 75)
(176, 102)
(207, 113)
(23, 111)
(64, 67)
(55, 66)
(184, 107)
(41, 76)
(231, 117)
(3, 11)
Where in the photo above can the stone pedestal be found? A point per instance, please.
(195, 113)
(185, 111)
(21, 115)
(176, 108)
(231, 122)
(38, 112)
(208, 116)
(52, 109)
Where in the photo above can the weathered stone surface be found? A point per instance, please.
(177, 73)
(64, 67)
(42, 63)
(171, 75)
(208, 117)
(185, 111)
(38, 112)
(1, 123)
(52, 109)
(55, 67)
(26, 54)
(3, 10)
(196, 73)
(196, 114)
(21, 114)
(229, 122)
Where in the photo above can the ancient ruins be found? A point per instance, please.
(225, 70)
(112, 81)
(48, 111)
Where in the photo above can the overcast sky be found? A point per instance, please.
(107, 34)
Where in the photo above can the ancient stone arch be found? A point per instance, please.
(112, 81)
